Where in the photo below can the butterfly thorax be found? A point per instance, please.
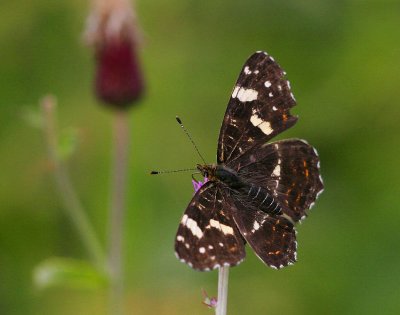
(223, 174)
(254, 194)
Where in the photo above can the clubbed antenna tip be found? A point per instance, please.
(154, 172)
(190, 137)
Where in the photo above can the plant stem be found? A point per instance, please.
(223, 277)
(117, 209)
(72, 204)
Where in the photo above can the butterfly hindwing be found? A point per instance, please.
(290, 170)
(207, 236)
(258, 108)
(273, 238)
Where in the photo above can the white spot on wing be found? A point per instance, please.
(256, 225)
(226, 229)
(265, 126)
(184, 219)
(247, 70)
(202, 250)
(274, 108)
(235, 91)
(277, 171)
(246, 95)
(194, 228)
(267, 84)
(180, 238)
(270, 94)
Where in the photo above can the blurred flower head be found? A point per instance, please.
(112, 31)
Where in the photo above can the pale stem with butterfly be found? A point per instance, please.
(258, 190)
(223, 271)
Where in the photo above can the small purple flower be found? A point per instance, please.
(211, 302)
(197, 184)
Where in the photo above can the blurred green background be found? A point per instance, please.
(343, 61)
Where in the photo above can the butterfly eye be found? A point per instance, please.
(206, 174)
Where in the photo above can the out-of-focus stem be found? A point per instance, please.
(223, 277)
(72, 205)
(117, 210)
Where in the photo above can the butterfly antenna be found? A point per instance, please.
(173, 171)
(190, 138)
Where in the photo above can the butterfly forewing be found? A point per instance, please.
(273, 238)
(207, 236)
(258, 109)
(289, 169)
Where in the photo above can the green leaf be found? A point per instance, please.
(68, 143)
(68, 273)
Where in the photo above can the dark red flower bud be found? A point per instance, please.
(112, 30)
(119, 80)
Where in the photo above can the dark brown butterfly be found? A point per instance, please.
(257, 191)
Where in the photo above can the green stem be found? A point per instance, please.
(72, 205)
(117, 210)
(222, 300)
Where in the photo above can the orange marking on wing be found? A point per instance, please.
(305, 168)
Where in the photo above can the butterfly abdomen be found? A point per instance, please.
(261, 199)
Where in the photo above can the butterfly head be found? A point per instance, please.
(207, 170)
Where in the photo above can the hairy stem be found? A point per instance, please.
(117, 209)
(72, 205)
(223, 277)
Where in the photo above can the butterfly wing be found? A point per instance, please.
(273, 238)
(258, 109)
(290, 171)
(207, 236)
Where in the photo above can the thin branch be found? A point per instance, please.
(223, 277)
(72, 205)
(117, 209)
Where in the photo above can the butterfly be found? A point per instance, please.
(257, 191)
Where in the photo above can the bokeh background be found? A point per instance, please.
(343, 61)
